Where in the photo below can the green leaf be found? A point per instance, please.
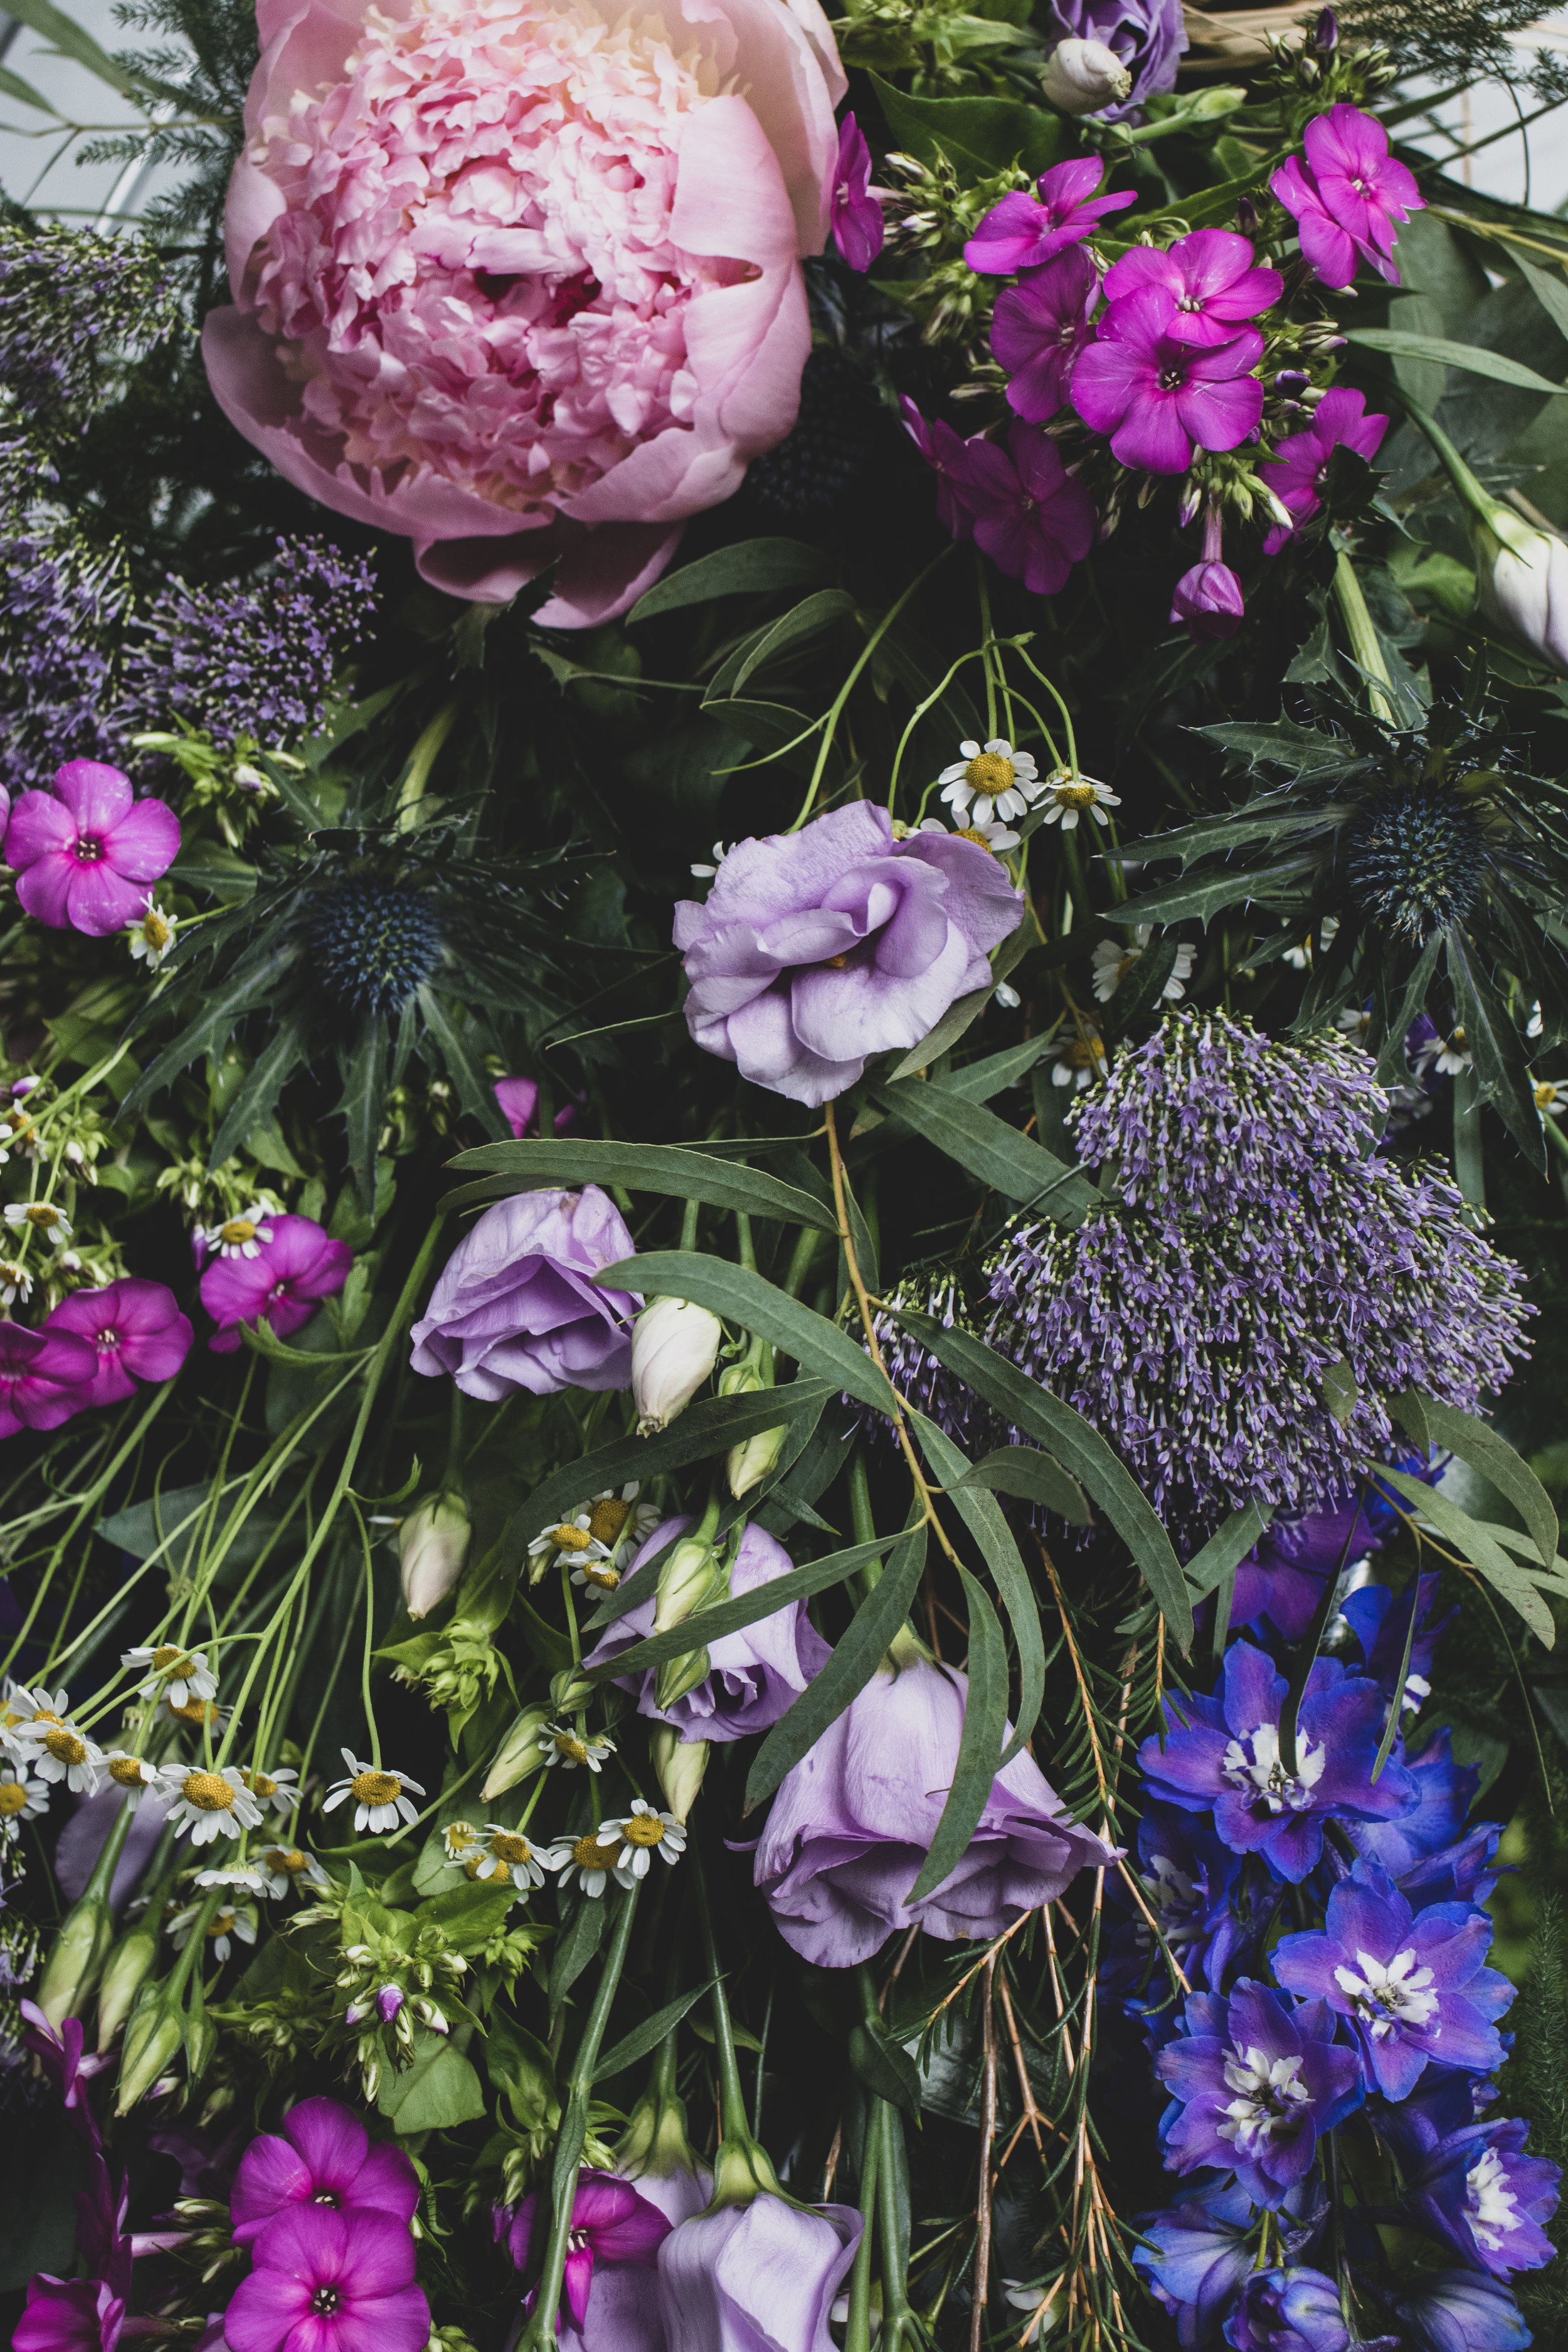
(978, 1081)
(68, 38)
(798, 626)
(1443, 354)
(982, 1514)
(1502, 1069)
(648, 2034)
(13, 86)
(757, 566)
(1145, 982)
(1227, 1548)
(979, 1747)
(990, 1149)
(855, 1660)
(961, 1015)
(988, 134)
(246, 992)
(575, 1946)
(1481, 1549)
(468, 1914)
(742, 1297)
(1081, 1450)
(438, 2092)
(641, 1168)
(260, 1089)
(1431, 1424)
(1033, 1477)
(885, 2070)
(1173, 902)
(475, 1090)
(364, 1098)
(1391, 1064)
(1549, 290)
(709, 1626)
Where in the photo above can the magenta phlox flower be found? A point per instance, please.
(330, 2281)
(83, 2314)
(1031, 517)
(1211, 276)
(87, 852)
(45, 1377)
(857, 224)
(1347, 194)
(324, 2157)
(60, 2052)
(1038, 328)
(1298, 472)
(947, 455)
(283, 1283)
(1156, 395)
(611, 2222)
(136, 1328)
(1023, 232)
(1254, 2080)
(519, 1099)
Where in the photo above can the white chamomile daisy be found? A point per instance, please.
(1114, 959)
(1079, 1061)
(280, 1867)
(274, 1789)
(227, 1923)
(1452, 1056)
(573, 1536)
(507, 1855)
(459, 1838)
(152, 936)
(720, 851)
(643, 1834)
(15, 1283)
(995, 837)
(47, 1741)
(380, 1802)
(40, 1217)
(1355, 1022)
(244, 1879)
(22, 1799)
(995, 781)
(133, 1774)
(1550, 1093)
(1068, 796)
(559, 1744)
(586, 1862)
(179, 1675)
(241, 1236)
(1300, 957)
(209, 1804)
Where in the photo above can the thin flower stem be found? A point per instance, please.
(829, 723)
(1366, 650)
(857, 2327)
(987, 2135)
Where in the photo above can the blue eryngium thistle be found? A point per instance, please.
(1244, 1249)
(373, 942)
(1416, 858)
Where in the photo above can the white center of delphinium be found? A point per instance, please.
(1388, 1994)
(1491, 2208)
(1255, 1762)
(1269, 2098)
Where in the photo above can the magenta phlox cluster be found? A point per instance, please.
(1346, 195)
(1015, 498)
(1211, 276)
(87, 854)
(1298, 471)
(1023, 232)
(1157, 394)
(91, 1349)
(1038, 328)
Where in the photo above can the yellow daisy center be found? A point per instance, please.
(1085, 1054)
(208, 1792)
(1079, 795)
(567, 1744)
(508, 1848)
(64, 1746)
(258, 1784)
(288, 1858)
(595, 1572)
(221, 1925)
(644, 1829)
(589, 1854)
(970, 833)
(571, 1539)
(1545, 1094)
(155, 929)
(127, 1771)
(607, 1517)
(989, 771)
(375, 1788)
(40, 1213)
(236, 1233)
(458, 1834)
(13, 1799)
(166, 1657)
(39, 1715)
(199, 1711)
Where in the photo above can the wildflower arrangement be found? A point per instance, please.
(780, 1187)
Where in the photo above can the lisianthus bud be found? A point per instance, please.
(432, 1545)
(1081, 77)
(519, 1753)
(123, 1978)
(681, 1765)
(152, 2040)
(748, 1464)
(1522, 585)
(690, 1580)
(675, 1345)
(569, 1690)
(78, 1954)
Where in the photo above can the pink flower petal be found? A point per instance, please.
(97, 796)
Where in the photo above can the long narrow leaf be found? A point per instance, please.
(647, 2035)
(641, 1168)
(475, 1090)
(1431, 1423)
(1483, 1552)
(990, 1149)
(743, 1297)
(979, 1748)
(261, 1087)
(982, 1514)
(1226, 1548)
(1034, 1477)
(246, 992)
(709, 1625)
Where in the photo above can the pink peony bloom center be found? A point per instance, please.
(477, 255)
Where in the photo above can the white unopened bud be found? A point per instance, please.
(432, 1545)
(518, 1755)
(675, 1345)
(691, 1577)
(745, 1465)
(1081, 77)
(1523, 586)
(680, 1765)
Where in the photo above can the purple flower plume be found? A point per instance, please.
(1460, 2311)
(1213, 277)
(1156, 395)
(1038, 328)
(1023, 232)
(1254, 2080)
(136, 1328)
(1347, 194)
(45, 1376)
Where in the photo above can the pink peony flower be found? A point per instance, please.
(137, 1330)
(86, 854)
(1031, 518)
(1021, 233)
(329, 2281)
(43, 1377)
(857, 224)
(943, 451)
(1298, 469)
(524, 282)
(284, 1282)
(1038, 328)
(325, 2158)
(1211, 275)
(1156, 395)
(1347, 195)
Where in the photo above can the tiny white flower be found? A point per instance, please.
(559, 1744)
(1114, 959)
(1451, 1055)
(283, 1866)
(152, 936)
(720, 851)
(995, 837)
(642, 1834)
(508, 1856)
(133, 1774)
(1300, 957)
(1006, 996)
(1079, 1061)
(40, 1217)
(241, 1236)
(245, 1879)
(223, 1928)
(995, 781)
(209, 1804)
(459, 1838)
(1550, 1093)
(42, 1736)
(1354, 1021)
(1068, 796)
(182, 1675)
(22, 1799)
(16, 1282)
(380, 1802)
(573, 1535)
(586, 1862)
(272, 1788)
(1536, 1023)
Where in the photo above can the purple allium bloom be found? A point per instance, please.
(45, 1376)
(946, 453)
(1445, 1793)
(1023, 232)
(610, 2223)
(852, 1823)
(59, 605)
(330, 2281)
(1414, 1985)
(323, 2158)
(762, 2273)
(1347, 195)
(1245, 1248)
(1295, 2311)
(1031, 517)
(1039, 327)
(1148, 36)
(517, 1306)
(1213, 277)
(1461, 2310)
(1223, 1756)
(1208, 599)
(815, 950)
(756, 1674)
(87, 852)
(857, 224)
(1156, 395)
(1298, 471)
(1254, 2080)
(282, 1285)
(137, 1329)
(65, 296)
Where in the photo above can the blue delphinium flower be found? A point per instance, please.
(1467, 2179)
(1256, 2081)
(1199, 2254)
(1461, 2310)
(1445, 1793)
(1295, 2311)
(1414, 1985)
(1461, 1873)
(1188, 1876)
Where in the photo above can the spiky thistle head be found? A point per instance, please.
(1416, 858)
(373, 942)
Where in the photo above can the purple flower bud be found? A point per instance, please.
(1248, 219)
(388, 2002)
(1208, 599)
(1292, 383)
(1326, 33)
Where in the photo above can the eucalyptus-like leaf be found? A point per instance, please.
(742, 1297)
(665, 1168)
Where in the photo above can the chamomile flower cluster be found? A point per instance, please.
(595, 1536)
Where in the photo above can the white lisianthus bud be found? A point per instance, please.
(675, 1345)
(518, 1755)
(1081, 77)
(1523, 586)
(432, 1545)
(691, 1577)
(680, 1765)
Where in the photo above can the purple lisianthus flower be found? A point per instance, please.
(762, 2273)
(1213, 277)
(517, 1307)
(857, 224)
(1461, 2310)
(1414, 1985)
(1208, 599)
(136, 1328)
(330, 2281)
(815, 950)
(1031, 517)
(946, 453)
(1254, 2080)
(756, 1674)
(86, 854)
(852, 1823)
(282, 1285)
(1298, 471)
(1347, 195)
(1156, 395)
(1223, 1755)
(1445, 1793)
(1148, 36)
(45, 1377)
(1038, 328)
(612, 2224)
(324, 2156)
(1023, 232)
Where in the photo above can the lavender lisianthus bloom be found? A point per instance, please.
(516, 1307)
(1255, 2081)
(1415, 1986)
(761, 2273)
(815, 950)
(1148, 36)
(1223, 1756)
(852, 1823)
(756, 1674)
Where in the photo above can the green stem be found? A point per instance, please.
(857, 2327)
(897, 2317)
(830, 724)
(421, 760)
(1365, 649)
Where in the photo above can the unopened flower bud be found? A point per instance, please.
(691, 1577)
(748, 1464)
(201, 2045)
(1521, 578)
(675, 1345)
(569, 1690)
(78, 1952)
(1247, 217)
(680, 1765)
(1081, 77)
(1326, 33)
(1292, 383)
(432, 1545)
(388, 2002)
(519, 1753)
(152, 2040)
(124, 1974)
